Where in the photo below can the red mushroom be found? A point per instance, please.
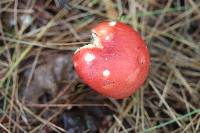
(116, 63)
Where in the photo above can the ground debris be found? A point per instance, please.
(47, 77)
(91, 119)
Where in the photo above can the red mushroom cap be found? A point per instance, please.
(117, 62)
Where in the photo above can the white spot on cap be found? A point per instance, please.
(112, 23)
(107, 38)
(106, 73)
(89, 57)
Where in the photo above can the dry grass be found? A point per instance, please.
(169, 100)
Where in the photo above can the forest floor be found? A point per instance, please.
(41, 93)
